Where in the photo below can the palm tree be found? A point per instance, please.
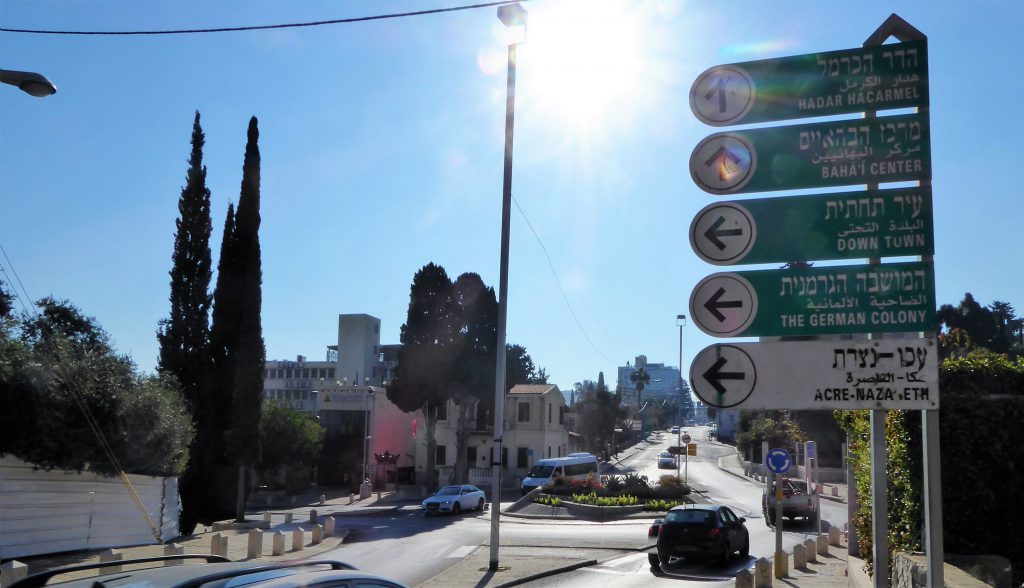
(640, 378)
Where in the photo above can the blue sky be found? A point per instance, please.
(382, 151)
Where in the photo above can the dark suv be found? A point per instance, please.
(699, 531)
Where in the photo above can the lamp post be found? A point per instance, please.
(680, 322)
(29, 82)
(511, 15)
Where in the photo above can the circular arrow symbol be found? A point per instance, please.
(722, 95)
(723, 376)
(778, 461)
(723, 305)
(723, 233)
(722, 163)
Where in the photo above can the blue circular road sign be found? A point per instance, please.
(779, 461)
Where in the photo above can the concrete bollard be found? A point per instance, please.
(329, 526)
(811, 549)
(266, 517)
(255, 544)
(351, 498)
(781, 564)
(762, 573)
(323, 499)
(288, 518)
(744, 579)
(297, 539)
(173, 549)
(312, 516)
(268, 501)
(799, 556)
(278, 548)
(12, 571)
(111, 555)
(835, 491)
(835, 537)
(318, 534)
(219, 545)
(822, 545)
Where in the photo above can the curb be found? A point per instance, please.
(548, 573)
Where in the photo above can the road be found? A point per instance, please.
(411, 548)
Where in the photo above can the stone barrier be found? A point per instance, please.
(278, 543)
(799, 556)
(744, 579)
(266, 517)
(312, 516)
(318, 534)
(219, 545)
(822, 545)
(255, 548)
(174, 549)
(329, 526)
(762, 573)
(812, 551)
(12, 571)
(297, 539)
(835, 537)
(288, 517)
(111, 555)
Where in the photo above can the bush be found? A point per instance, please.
(548, 500)
(661, 505)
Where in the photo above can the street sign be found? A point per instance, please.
(894, 297)
(778, 461)
(691, 449)
(685, 438)
(843, 225)
(819, 375)
(676, 449)
(817, 84)
(835, 153)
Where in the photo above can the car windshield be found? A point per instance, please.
(690, 515)
(541, 471)
(666, 454)
(448, 491)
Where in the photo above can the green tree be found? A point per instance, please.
(424, 361)
(775, 427)
(184, 335)
(475, 320)
(6, 301)
(640, 379)
(596, 417)
(288, 439)
(520, 369)
(58, 363)
(250, 356)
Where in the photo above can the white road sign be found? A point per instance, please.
(722, 95)
(819, 375)
(722, 234)
(723, 304)
(723, 163)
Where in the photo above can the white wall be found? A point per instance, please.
(55, 511)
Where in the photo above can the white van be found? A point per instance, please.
(575, 466)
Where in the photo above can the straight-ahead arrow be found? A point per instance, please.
(713, 233)
(723, 157)
(714, 375)
(713, 304)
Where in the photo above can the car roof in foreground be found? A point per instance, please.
(209, 575)
(697, 507)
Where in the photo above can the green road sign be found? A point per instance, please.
(894, 297)
(836, 153)
(844, 225)
(819, 84)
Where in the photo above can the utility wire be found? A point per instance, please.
(11, 265)
(265, 27)
(557, 281)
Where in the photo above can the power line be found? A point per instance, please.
(27, 298)
(264, 27)
(557, 281)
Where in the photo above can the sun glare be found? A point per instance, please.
(584, 63)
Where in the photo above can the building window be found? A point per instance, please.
(549, 451)
(305, 372)
(442, 411)
(523, 457)
(549, 414)
(330, 372)
(288, 372)
(561, 415)
(504, 458)
(524, 412)
(440, 458)
(471, 456)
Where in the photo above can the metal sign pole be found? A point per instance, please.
(933, 497)
(879, 501)
(778, 516)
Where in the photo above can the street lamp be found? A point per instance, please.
(29, 82)
(366, 430)
(681, 322)
(511, 15)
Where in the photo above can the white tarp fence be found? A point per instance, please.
(49, 512)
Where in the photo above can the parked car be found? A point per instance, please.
(575, 466)
(455, 499)
(674, 430)
(215, 571)
(699, 531)
(797, 501)
(666, 460)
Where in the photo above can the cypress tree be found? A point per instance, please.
(251, 353)
(184, 335)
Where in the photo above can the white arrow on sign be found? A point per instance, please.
(723, 163)
(887, 374)
(722, 95)
(723, 233)
(723, 305)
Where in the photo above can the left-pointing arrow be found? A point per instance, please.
(713, 233)
(714, 375)
(714, 303)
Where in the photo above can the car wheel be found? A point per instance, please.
(456, 509)
(480, 505)
(726, 554)
(653, 559)
(746, 548)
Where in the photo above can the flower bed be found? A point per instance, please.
(630, 492)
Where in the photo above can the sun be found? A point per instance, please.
(587, 64)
